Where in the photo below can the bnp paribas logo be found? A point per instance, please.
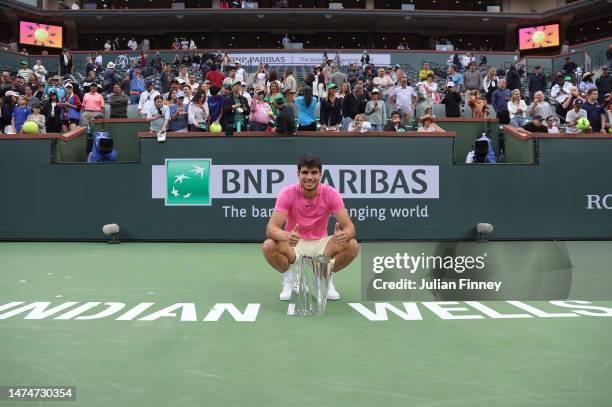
(188, 182)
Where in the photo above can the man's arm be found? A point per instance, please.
(603, 123)
(344, 230)
(275, 232)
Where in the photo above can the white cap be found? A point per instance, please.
(450, 85)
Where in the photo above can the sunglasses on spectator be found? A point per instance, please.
(260, 93)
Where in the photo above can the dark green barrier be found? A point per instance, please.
(125, 136)
(562, 197)
(70, 147)
(467, 131)
(520, 149)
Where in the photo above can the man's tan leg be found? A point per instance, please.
(343, 255)
(278, 255)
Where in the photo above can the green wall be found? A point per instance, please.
(43, 200)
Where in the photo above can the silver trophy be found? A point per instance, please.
(309, 295)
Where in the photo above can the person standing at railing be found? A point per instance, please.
(517, 109)
(93, 105)
(40, 71)
(472, 80)
(376, 111)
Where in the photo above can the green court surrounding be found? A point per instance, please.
(340, 359)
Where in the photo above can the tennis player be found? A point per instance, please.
(304, 209)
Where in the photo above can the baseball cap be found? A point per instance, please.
(578, 102)
(24, 62)
(279, 99)
(567, 78)
(450, 85)
(538, 117)
(332, 86)
(11, 93)
(375, 90)
(389, 67)
(227, 86)
(398, 66)
(180, 94)
(68, 85)
(236, 83)
(207, 81)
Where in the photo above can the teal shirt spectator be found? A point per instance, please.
(306, 114)
(61, 92)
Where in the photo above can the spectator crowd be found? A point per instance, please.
(214, 93)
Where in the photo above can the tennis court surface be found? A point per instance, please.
(231, 343)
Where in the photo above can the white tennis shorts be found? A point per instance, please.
(311, 248)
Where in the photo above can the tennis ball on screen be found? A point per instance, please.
(538, 37)
(41, 35)
(30, 128)
(582, 124)
(215, 128)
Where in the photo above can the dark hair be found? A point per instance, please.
(214, 90)
(310, 161)
(160, 97)
(590, 91)
(307, 96)
(273, 76)
(395, 112)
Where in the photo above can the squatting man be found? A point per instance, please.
(304, 209)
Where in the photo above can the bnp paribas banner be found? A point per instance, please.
(247, 191)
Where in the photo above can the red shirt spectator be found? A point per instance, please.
(215, 77)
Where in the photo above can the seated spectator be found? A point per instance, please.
(102, 150)
(376, 111)
(306, 106)
(178, 114)
(158, 115)
(482, 152)
(452, 101)
(38, 118)
(53, 114)
(517, 109)
(395, 124)
(428, 111)
(9, 101)
(478, 105)
(285, 119)
(551, 125)
(198, 113)
(358, 124)
(587, 83)
(539, 107)
(20, 114)
(429, 125)
(534, 126)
